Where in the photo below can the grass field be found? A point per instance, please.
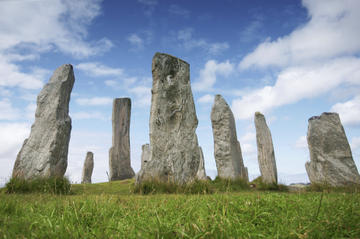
(109, 210)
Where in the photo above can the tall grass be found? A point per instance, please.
(54, 185)
(157, 186)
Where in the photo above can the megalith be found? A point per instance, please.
(45, 152)
(88, 168)
(201, 174)
(265, 148)
(227, 151)
(174, 152)
(331, 160)
(145, 154)
(119, 154)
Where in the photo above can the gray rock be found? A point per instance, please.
(266, 155)
(45, 152)
(119, 154)
(331, 160)
(227, 151)
(88, 168)
(201, 174)
(174, 152)
(145, 154)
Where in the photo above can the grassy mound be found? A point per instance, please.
(54, 185)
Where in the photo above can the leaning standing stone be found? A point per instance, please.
(119, 154)
(331, 160)
(88, 168)
(227, 151)
(45, 152)
(266, 155)
(201, 174)
(174, 152)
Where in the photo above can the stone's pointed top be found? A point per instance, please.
(219, 100)
(66, 69)
(89, 153)
(325, 114)
(158, 56)
(257, 113)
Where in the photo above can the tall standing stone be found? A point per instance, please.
(201, 174)
(266, 155)
(44, 153)
(227, 151)
(331, 160)
(119, 154)
(88, 168)
(145, 154)
(174, 152)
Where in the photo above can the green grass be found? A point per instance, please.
(109, 210)
(54, 185)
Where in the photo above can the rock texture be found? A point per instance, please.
(227, 151)
(145, 155)
(45, 152)
(331, 160)
(266, 155)
(88, 168)
(201, 174)
(174, 152)
(119, 154)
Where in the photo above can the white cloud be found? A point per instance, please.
(149, 2)
(293, 84)
(349, 111)
(316, 58)
(331, 32)
(11, 76)
(208, 75)
(248, 137)
(142, 95)
(355, 143)
(136, 41)
(206, 99)
(43, 25)
(82, 115)
(248, 150)
(8, 112)
(95, 101)
(98, 69)
(185, 36)
(178, 10)
(12, 135)
(301, 143)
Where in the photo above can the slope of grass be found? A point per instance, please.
(109, 211)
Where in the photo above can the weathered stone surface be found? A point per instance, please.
(88, 168)
(44, 153)
(227, 151)
(145, 154)
(201, 174)
(331, 160)
(266, 155)
(174, 152)
(119, 154)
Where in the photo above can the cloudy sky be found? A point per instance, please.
(288, 59)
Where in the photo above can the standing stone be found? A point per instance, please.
(88, 168)
(201, 174)
(174, 152)
(44, 153)
(331, 160)
(266, 155)
(227, 151)
(145, 155)
(119, 154)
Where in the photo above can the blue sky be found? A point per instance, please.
(288, 59)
